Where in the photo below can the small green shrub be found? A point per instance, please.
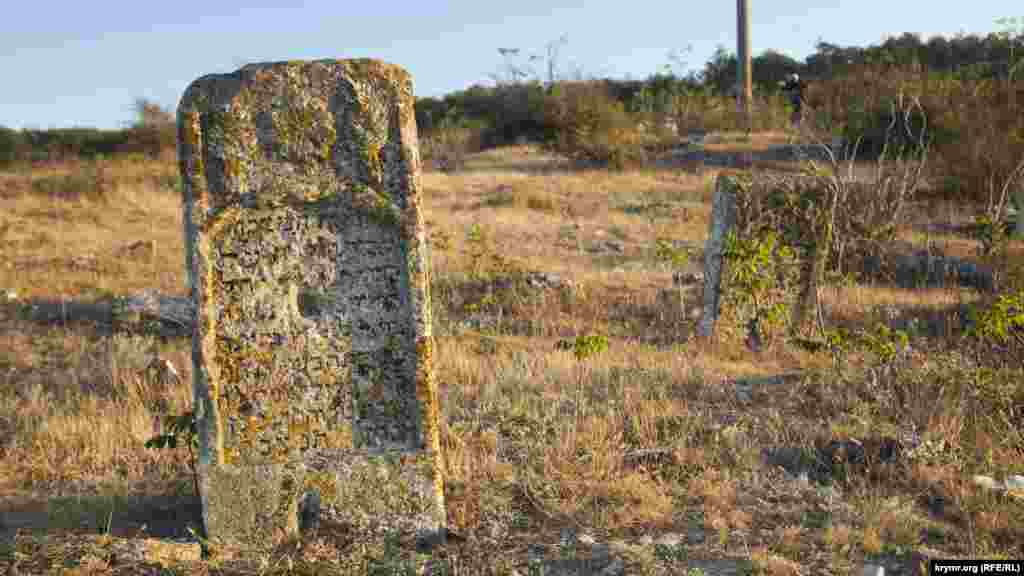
(12, 146)
(590, 126)
(517, 114)
(884, 343)
(180, 427)
(451, 140)
(485, 260)
(999, 328)
(666, 252)
(759, 278)
(885, 128)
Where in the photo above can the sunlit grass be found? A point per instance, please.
(647, 437)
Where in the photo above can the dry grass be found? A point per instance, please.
(647, 438)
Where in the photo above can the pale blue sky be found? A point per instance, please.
(73, 63)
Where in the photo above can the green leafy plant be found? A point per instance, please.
(758, 269)
(392, 561)
(180, 427)
(1001, 325)
(583, 348)
(666, 252)
(671, 554)
(884, 343)
(838, 341)
(485, 261)
(586, 346)
(992, 233)
(452, 137)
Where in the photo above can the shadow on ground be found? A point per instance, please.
(101, 317)
(171, 517)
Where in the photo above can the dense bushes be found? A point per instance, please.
(974, 126)
(591, 126)
(83, 143)
(12, 146)
(989, 143)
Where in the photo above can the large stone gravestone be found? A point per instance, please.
(314, 393)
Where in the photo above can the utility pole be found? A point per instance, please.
(744, 88)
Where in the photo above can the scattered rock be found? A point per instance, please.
(613, 246)
(839, 452)
(985, 482)
(547, 280)
(478, 322)
(614, 568)
(680, 278)
(597, 561)
(672, 539)
(795, 461)
(744, 394)
(137, 249)
(1013, 485)
(873, 570)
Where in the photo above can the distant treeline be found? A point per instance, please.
(963, 57)
(82, 143)
(153, 132)
(514, 110)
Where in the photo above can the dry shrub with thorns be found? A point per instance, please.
(836, 221)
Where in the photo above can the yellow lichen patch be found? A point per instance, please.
(426, 393)
(373, 161)
(304, 131)
(325, 484)
(192, 164)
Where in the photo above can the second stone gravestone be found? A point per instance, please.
(314, 391)
(723, 218)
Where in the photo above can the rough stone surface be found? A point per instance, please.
(308, 268)
(723, 218)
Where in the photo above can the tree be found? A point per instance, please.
(12, 145)
(720, 71)
(519, 73)
(154, 129)
(1013, 34)
(149, 113)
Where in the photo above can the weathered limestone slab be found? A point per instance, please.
(306, 256)
(723, 218)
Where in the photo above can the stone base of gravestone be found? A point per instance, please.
(371, 494)
(308, 266)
